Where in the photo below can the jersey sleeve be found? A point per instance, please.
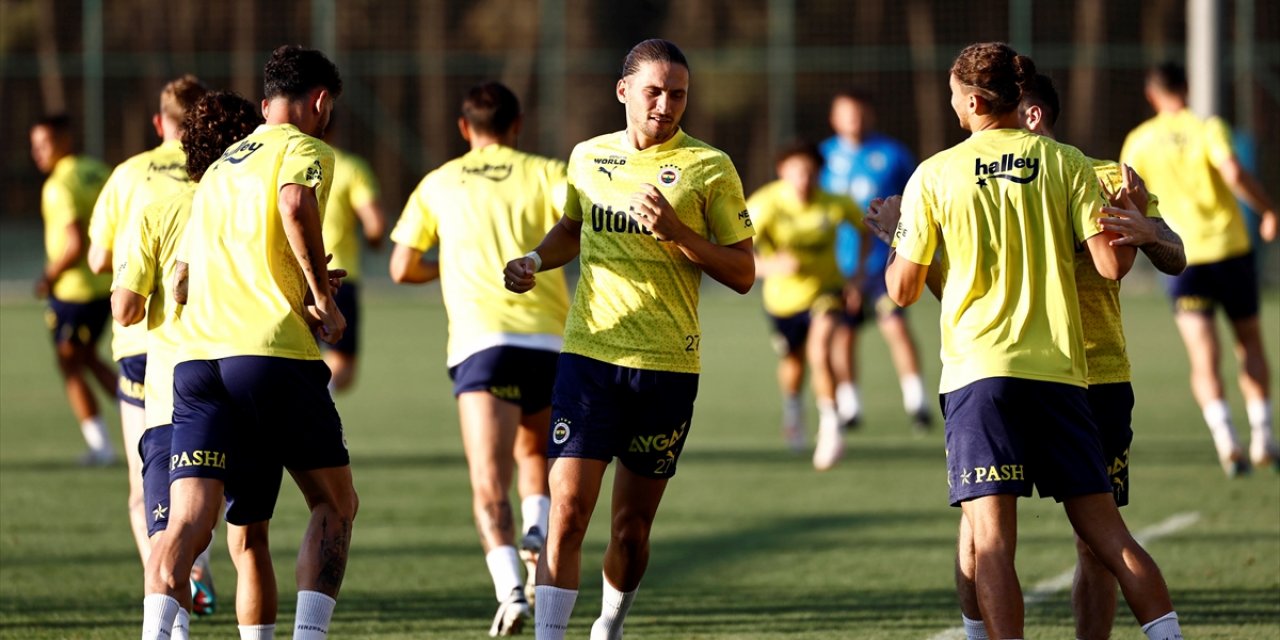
(1086, 197)
(102, 223)
(1217, 141)
(760, 212)
(417, 227)
(59, 204)
(364, 185)
(308, 162)
(916, 237)
(138, 272)
(726, 213)
(557, 179)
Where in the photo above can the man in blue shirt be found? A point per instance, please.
(864, 164)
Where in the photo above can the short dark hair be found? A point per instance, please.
(58, 123)
(1170, 77)
(216, 121)
(856, 94)
(292, 72)
(803, 148)
(653, 50)
(491, 108)
(1040, 91)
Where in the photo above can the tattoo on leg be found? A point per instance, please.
(334, 544)
(497, 519)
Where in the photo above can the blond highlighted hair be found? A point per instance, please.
(179, 96)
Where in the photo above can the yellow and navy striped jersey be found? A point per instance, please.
(246, 289)
(1177, 155)
(636, 304)
(483, 209)
(1007, 208)
(354, 186)
(148, 177)
(148, 271)
(67, 197)
(807, 231)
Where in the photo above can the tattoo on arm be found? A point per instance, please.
(1166, 253)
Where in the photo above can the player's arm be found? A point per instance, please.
(180, 272)
(127, 307)
(71, 254)
(732, 265)
(99, 258)
(300, 216)
(558, 248)
(408, 267)
(1247, 188)
(102, 226)
(904, 279)
(374, 223)
(1112, 260)
(883, 213)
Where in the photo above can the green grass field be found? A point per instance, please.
(750, 542)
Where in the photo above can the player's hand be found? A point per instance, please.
(518, 277)
(1135, 188)
(335, 279)
(42, 286)
(1268, 226)
(651, 209)
(853, 294)
(1134, 228)
(327, 321)
(882, 217)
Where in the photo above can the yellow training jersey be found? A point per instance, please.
(807, 231)
(483, 209)
(1007, 208)
(135, 183)
(636, 304)
(1177, 155)
(148, 271)
(245, 290)
(354, 186)
(67, 197)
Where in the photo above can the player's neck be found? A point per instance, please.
(642, 142)
(854, 140)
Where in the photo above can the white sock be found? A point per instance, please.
(257, 632)
(613, 612)
(847, 401)
(551, 616)
(1259, 418)
(534, 512)
(182, 625)
(1218, 416)
(974, 629)
(158, 615)
(94, 431)
(792, 409)
(1163, 628)
(828, 417)
(315, 610)
(912, 393)
(504, 568)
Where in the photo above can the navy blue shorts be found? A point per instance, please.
(1005, 435)
(245, 419)
(154, 447)
(348, 300)
(133, 375)
(790, 332)
(875, 296)
(600, 410)
(1112, 407)
(79, 322)
(515, 374)
(1232, 283)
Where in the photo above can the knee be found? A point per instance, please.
(1084, 553)
(630, 533)
(570, 521)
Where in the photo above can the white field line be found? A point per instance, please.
(1042, 590)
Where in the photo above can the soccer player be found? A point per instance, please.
(148, 177)
(1190, 162)
(795, 223)
(650, 210)
(492, 202)
(864, 164)
(79, 302)
(353, 201)
(1013, 379)
(143, 289)
(250, 388)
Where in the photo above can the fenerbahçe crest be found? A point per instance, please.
(668, 175)
(560, 431)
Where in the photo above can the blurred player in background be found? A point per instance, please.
(144, 290)
(650, 210)
(79, 302)
(1189, 161)
(148, 177)
(353, 202)
(795, 223)
(864, 164)
(490, 203)
(1013, 379)
(250, 387)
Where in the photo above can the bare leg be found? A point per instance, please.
(966, 569)
(1097, 521)
(102, 372)
(1255, 375)
(133, 421)
(1201, 341)
(322, 556)
(1093, 596)
(73, 361)
(342, 366)
(575, 486)
(635, 502)
(818, 352)
(194, 504)
(844, 359)
(994, 522)
(531, 454)
(489, 428)
(257, 596)
(902, 346)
